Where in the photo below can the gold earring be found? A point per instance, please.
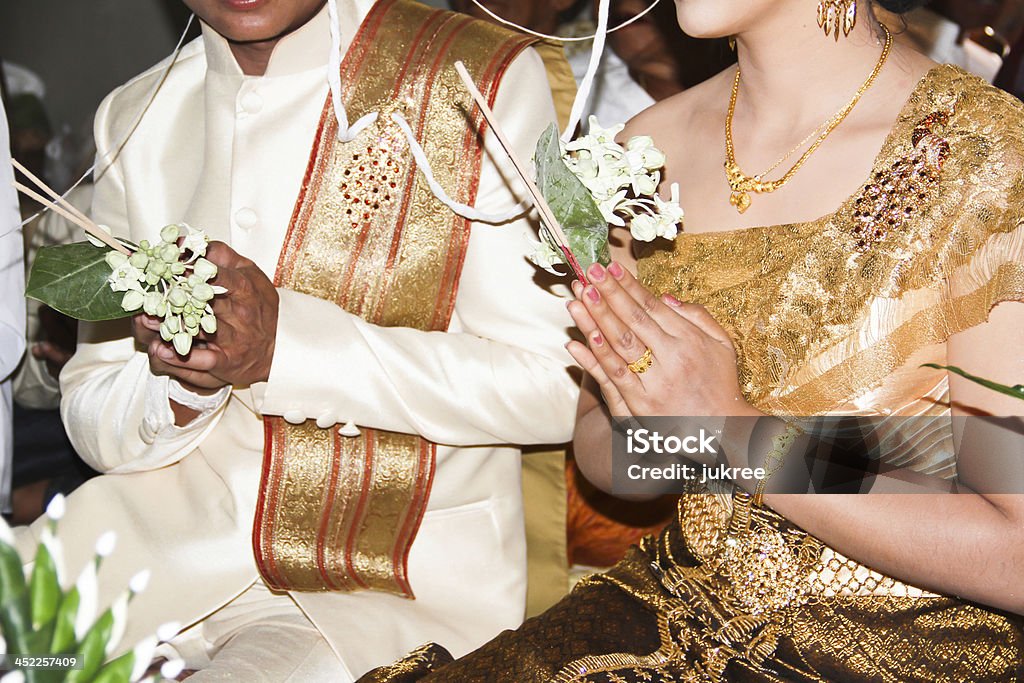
(836, 15)
(732, 43)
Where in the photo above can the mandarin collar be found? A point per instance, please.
(304, 49)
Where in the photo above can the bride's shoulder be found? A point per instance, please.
(688, 110)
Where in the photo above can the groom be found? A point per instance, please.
(326, 482)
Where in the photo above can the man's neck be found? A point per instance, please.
(253, 58)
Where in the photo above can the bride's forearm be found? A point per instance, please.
(968, 545)
(926, 531)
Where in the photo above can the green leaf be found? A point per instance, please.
(571, 202)
(117, 671)
(1017, 391)
(12, 574)
(72, 278)
(64, 624)
(16, 625)
(93, 650)
(44, 590)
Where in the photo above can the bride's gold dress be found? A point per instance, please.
(832, 316)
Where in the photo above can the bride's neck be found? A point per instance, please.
(792, 74)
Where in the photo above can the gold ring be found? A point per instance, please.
(643, 363)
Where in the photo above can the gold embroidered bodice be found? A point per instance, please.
(836, 316)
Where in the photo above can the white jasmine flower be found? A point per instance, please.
(106, 543)
(644, 227)
(545, 256)
(195, 241)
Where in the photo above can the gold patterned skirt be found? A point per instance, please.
(731, 592)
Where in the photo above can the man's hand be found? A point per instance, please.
(240, 352)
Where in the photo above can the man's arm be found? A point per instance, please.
(117, 412)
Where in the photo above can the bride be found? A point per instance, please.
(853, 212)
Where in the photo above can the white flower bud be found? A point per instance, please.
(161, 309)
(152, 279)
(138, 259)
(152, 302)
(132, 300)
(209, 324)
(166, 632)
(105, 544)
(169, 253)
(170, 234)
(173, 325)
(202, 292)
(97, 242)
(165, 331)
(177, 268)
(177, 297)
(140, 581)
(115, 259)
(182, 343)
(58, 505)
(204, 269)
(190, 321)
(644, 227)
(172, 668)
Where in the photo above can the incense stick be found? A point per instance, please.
(66, 209)
(547, 216)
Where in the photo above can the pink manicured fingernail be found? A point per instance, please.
(671, 300)
(596, 272)
(616, 270)
(577, 288)
(597, 338)
(593, 294)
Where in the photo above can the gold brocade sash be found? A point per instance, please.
(337, 512)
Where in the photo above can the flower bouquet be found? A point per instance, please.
(586, 184)
(50, 631)
(106, 278)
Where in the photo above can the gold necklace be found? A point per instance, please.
(741, 184)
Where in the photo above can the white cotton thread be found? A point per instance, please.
(563, 39)
(464, 210)
(103, 156)
(596, 52)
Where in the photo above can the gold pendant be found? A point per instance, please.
(741, 200)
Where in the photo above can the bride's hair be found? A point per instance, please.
(900, 6)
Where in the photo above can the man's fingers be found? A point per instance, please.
(198, 359)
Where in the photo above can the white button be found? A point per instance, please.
(295, 417)
(349, 429)
(251, 103)
(246, 218)
(326, 419)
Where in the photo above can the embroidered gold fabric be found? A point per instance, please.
(337, 512)
(832, 316)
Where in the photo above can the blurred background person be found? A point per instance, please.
(43, 460)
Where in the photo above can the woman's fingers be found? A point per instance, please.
(612, 398)
(699, 317)
(655, 307)
(630, 329)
